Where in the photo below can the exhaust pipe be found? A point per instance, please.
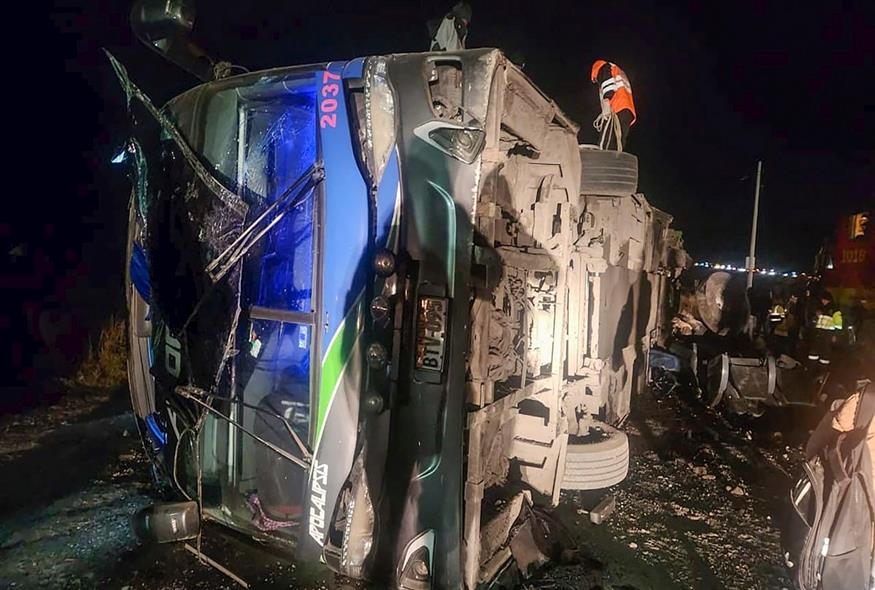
(164, 26)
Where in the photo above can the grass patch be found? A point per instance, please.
(105, 365)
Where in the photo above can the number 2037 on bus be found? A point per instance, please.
(329, 95)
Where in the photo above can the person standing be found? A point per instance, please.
(618, 108)
(779, 326)
(827, 321)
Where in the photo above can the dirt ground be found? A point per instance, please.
(73, 474)
(698, 510)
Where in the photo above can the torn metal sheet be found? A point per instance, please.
(525, 550)
(495, 534)
(231, 199)
(603, 509)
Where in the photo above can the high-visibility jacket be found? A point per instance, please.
(614, 86)
(777, 313)
(829, 322)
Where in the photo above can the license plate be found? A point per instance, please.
(431, 330)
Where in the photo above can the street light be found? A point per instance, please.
(750, 263)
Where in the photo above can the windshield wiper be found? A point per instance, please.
(293, 196)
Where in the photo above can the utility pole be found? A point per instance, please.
(752, 258)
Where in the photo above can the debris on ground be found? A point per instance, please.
(697, 510)
(67, 525)
(600, 513)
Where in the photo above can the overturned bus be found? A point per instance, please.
(382, 310)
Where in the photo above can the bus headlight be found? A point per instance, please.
(379, 117)
(463, 143)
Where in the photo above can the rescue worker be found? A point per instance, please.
(618, 108)
(777, 313)
(787, 331)
(780, 325)
(450, 33)
(827, 321)
(778, 306)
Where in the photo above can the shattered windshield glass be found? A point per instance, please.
(259, 140)
(227, 183)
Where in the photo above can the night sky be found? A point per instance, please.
(717, 85)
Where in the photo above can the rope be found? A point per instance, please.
(605, 124)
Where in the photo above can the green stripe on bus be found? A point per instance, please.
(336, 359)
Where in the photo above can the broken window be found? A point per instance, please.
(226, 177)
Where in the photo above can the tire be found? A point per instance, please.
(722, 303)
(597, 465)
(607, 172)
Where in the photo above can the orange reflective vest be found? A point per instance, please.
(615, 89)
